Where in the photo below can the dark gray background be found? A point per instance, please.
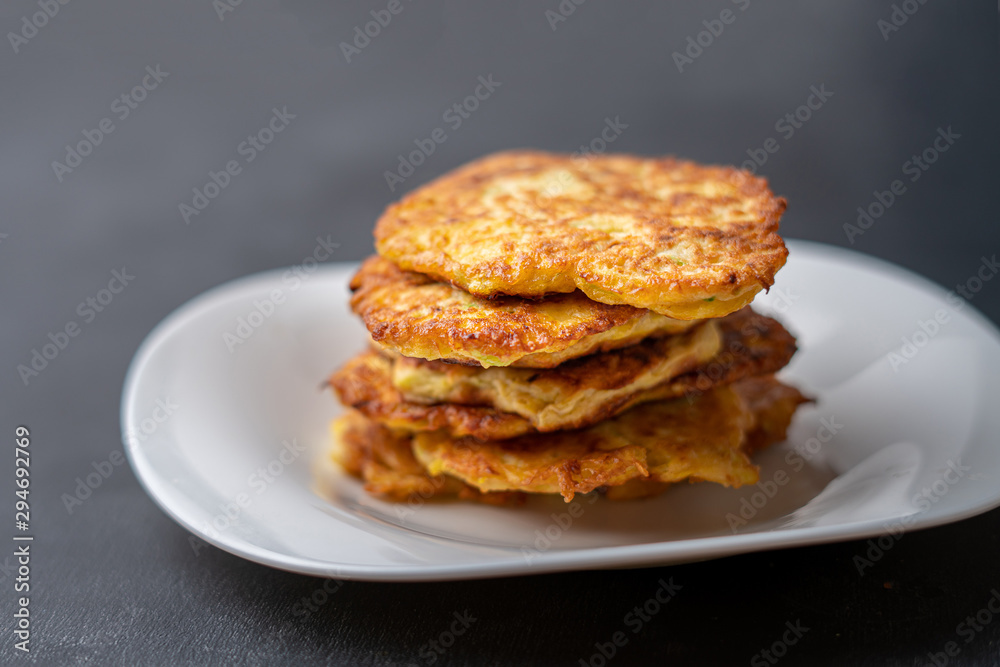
(117, 583)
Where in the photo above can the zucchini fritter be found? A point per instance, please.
(685, 240)
(662, 442)
(570, 395)
(636, 454)
(574, 395)
(415, 316)
(384, 460)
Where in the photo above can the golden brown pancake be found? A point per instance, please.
(684, 240)
(773, 405)
(416, 316)
(661, 442)
(751, 345)
(568, 396)
(365, 384)
(385, 462)
(606, 457)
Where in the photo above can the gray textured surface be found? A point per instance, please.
(116, 581)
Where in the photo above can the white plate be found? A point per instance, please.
(909, 441)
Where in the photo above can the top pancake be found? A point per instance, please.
(684, 240)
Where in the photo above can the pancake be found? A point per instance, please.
(660, 443)
(684, 240)
(581, 392)
(385, 462)
(575, 393)
(413, 315)
(773, 405)
(365, 384)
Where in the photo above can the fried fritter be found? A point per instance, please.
(684, 240)
(659, 443)
(772, 403)
(413, 315)
(576, 393)
(365, 383)
(384, 460)
(585, 390)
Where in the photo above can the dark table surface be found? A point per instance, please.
(115, 581)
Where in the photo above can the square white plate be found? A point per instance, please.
(225, 424)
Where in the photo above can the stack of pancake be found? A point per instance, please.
(553, 324)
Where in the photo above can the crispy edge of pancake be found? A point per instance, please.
(384, 461)
(364, 383)
(413, 315)
(686, 240)
(639, 452)
(752, 345)
(773, 405)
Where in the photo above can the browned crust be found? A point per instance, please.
(513, 324)
(364, 383)
(414, 315)
(581, 461)
(752, 345)
(664, 441)
(773, 405)
(384, 461)
(605, 371)
(685, 232)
